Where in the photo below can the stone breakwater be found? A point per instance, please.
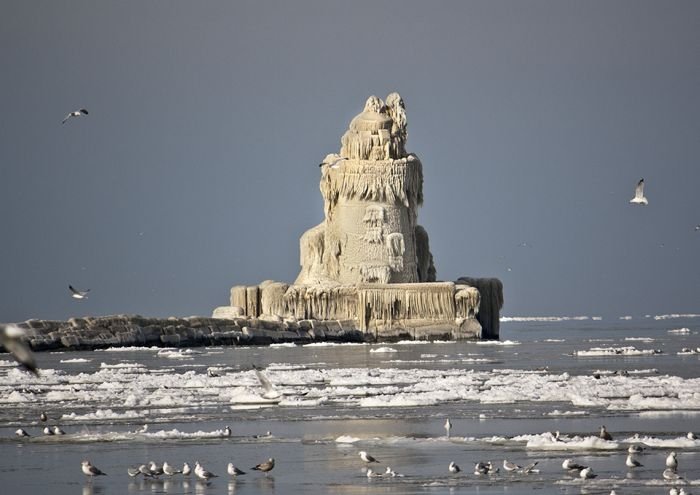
(133, 330)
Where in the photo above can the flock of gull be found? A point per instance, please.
(154, 471)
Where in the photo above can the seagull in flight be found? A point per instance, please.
(78, 294)
(11, 339)
(639, 198)
(270, 392)
(332, 160)
(77, 113)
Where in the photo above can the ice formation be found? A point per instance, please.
(368, 263)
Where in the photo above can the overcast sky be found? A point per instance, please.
(196, 168)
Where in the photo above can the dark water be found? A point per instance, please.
(503, 402)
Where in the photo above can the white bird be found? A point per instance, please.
(639, 198)
(691, 436)
(635, 449)
(76, 113)
(21, 432)
(186, 469)
(366, 457)
(448, 427)
(43, 417)
(671, 474)
(332, 160)
(587, 473)
(454, 468)
(155, 469)
(78, 294)
(145, 471)
(482, 468)
(233, 470)
(58, 431)
(571, 465)
(604, 434)
(266, 466)
(673, 491)
(510, 466)
(48, 431)
(133, 471)
(631, 462)
(270, 392)
(202, 473)
(170, 470)
(12, 338)
(530, 468)
(90, 470)
(372, 474)
(683, 492)
(672, 461)
(227, 431)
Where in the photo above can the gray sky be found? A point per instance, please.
(197, 167)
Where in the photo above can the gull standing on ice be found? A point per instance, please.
(132, 471)
(78, 294)
(21, 432)
(90, 470)
(43, 417)
(227, 431)
(58, 431)
(266, 466)
(448, 427)
(233, 470)
(604, 433)
(570, 465)
(639, 198)
(691, 436)
(631, 462)
(671, 475)
(530, 468)
(367, 458)
(48, 431)
(635, 449)
(145, 471)
(671, 461)
(77, 113)
(454, 468)
(587, 473)
(202, 473)
(169, 470)
(155, 469)
(186, 469)
(510, 466)
(372, 474)
(11, 338)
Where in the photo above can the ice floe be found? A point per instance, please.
(616, 351)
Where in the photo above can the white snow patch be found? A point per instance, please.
(383, 349)
(76, 360)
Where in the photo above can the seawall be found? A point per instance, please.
(134, 330)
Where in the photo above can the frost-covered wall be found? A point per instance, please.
(369, 261)
(371, 192)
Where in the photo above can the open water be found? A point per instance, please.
(639, 377)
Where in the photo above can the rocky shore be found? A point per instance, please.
(134, 330)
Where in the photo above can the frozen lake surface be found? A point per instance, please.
(640, 377)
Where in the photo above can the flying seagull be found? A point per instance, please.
(78, 294)
(332, 160)
(11, 338)
(639, 198)
(270, 392)
(77, 113)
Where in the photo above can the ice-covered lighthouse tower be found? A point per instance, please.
(368, 264)
(371, 192)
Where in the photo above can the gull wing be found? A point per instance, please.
(639, 190)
